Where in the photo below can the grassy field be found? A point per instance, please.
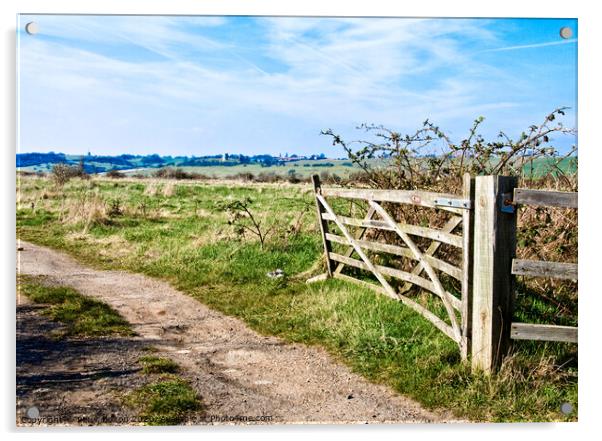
(300, 168)
(339, 167)
(180, 232)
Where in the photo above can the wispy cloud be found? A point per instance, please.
(252, 84)
(532, 46)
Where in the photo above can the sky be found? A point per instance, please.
(182, 85)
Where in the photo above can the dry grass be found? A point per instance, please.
(114, 246)
(220, 235)
(165, 188)
(87, 209)
(152, 188)
(169, 189)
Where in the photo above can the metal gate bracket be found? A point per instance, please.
(507, 203)
(455, 203)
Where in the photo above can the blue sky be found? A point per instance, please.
(206, 85)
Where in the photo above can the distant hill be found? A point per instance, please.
(43, 162)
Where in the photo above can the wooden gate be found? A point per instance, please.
(455, 323)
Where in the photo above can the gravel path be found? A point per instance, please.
(236, 371)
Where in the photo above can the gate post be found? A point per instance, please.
(493, 282)
(467, 269)
(315, 179)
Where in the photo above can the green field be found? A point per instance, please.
(300, 168)
(180, 232)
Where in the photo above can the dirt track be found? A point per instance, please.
(235, 370)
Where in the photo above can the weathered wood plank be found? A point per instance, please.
(468, 192)
(401, 251)
(323, 224)
(414, 197)
(445, 296)
(318, 278)
(364, 223)
(359, 235)
(493, 283)
(531, 331)
(414, 230)
(545, 198)
(539, 268)
(363, 283)
(436, 321)
(388, 288)
(398, 274)
(449, 226)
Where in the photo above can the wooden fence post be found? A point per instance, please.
(493, 282)
(467, 265)
(315, 179)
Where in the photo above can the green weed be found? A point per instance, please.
(169, 401)
(158, 365)
(81, 315)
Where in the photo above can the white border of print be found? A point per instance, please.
(590, 159)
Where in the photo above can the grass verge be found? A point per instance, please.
(81, 315)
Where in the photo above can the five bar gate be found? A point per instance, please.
(457, 323)
(479, 319)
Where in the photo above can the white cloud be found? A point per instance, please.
(532, 46)
(315, 73)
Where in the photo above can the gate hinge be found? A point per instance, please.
(454, 203)
(508, 205)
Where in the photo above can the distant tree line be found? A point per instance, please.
(103, 163)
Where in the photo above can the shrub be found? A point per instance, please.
(174, 173)
(115, 174)
(429, 159)
(244, 176)
(268, 177)
(243, 219)
(292, 177)
(62, 173)
(330, 178)
(115, 209)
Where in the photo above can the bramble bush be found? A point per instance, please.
(429, 160)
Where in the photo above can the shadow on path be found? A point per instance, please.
(72, 380)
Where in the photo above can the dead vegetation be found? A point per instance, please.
(62, 173)
(88, 209)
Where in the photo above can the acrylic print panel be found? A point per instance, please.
(181, 179)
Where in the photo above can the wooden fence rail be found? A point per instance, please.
(537, 268)
(531, 331)
(479, 318)
(545, 198)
